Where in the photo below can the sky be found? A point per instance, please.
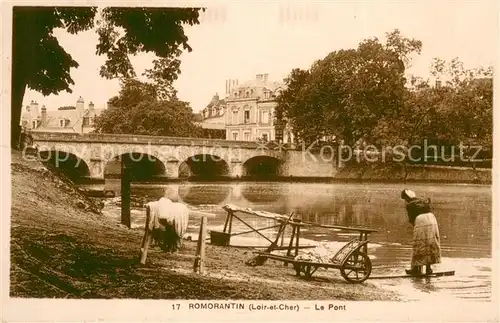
(237, 40)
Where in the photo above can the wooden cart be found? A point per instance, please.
(352, 259)
(223, 238)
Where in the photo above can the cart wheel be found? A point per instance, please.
(363, 269)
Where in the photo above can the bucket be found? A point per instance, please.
(219, 238)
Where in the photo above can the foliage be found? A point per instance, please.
(137, 110)
(288, 101)
(349, 92)
(458, 110)
(41, 64)
(362, 96)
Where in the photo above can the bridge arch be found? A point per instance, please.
(74, 167)
(262, 167)
(204, 166)
(143, 167)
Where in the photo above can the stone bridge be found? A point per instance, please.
(90, 155)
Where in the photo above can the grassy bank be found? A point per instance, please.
(61, 247)
(397, 172)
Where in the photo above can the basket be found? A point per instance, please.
(220, 238)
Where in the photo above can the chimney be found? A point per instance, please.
(264, 77)
(80, 106)
(259, 77)
(34, 109)
(91, 107)
(44, 116)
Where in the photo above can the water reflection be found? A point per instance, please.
(204, 194)
(463, 211)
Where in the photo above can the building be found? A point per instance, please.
(65, 119)
(247, 112)
(213, 115)
(250, 109)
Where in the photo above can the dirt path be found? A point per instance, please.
(58, 249)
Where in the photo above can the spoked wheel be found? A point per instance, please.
(357, 268)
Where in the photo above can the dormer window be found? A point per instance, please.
(34, 124)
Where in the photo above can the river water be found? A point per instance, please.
(463, 212)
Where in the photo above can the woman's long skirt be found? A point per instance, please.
(426, 241)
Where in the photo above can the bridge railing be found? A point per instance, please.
(139, 139)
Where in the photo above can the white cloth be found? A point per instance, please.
(410, 194)
(164, 211)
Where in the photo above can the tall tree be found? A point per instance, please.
(288, 102)
(138, 110)
(41, 64)
(349, 92)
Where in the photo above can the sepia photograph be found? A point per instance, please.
(315, 160)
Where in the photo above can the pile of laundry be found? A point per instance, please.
(323, 253)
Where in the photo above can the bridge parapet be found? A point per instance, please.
(139, 139)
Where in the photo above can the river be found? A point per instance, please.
(464, 214)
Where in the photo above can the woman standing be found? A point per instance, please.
(426, 240)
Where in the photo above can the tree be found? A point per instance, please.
(41, 64)
(138, 110)
(350, 92)
(456, 109)
(288, 102)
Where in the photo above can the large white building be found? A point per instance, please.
(65, 119)
(248, 111)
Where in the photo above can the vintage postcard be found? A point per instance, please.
(249, 161)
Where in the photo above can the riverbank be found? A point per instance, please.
(61, 247)
(353, 173)
(397, 172)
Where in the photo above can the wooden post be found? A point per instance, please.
(282, 235)
(125, 193)
(297, 241)
(199, 262)
(146, 240)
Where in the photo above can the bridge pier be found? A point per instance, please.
(172, 168)
(236, 170)
(96, 168)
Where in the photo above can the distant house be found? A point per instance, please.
(251, 109)
(65, 119)
(213, 115)
(247, 112)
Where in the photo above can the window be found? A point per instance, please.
(247, 94)
(235, 117)
(235, 136)
(62, 123)
(266, 95)
(247, 116)
(247, 136)
(265, 117)
(264, 136)
(86, 121)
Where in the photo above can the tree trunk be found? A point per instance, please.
(17, 95)
(22, 50)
